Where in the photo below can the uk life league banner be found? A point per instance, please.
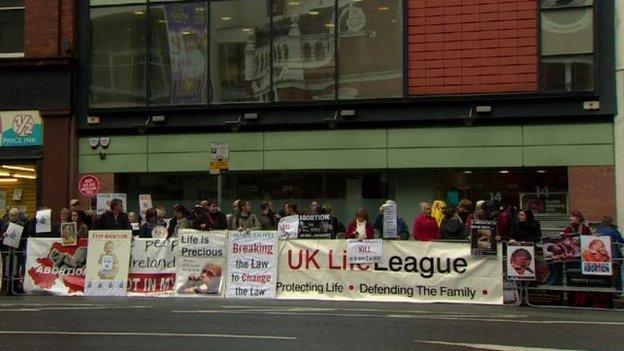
(252, 264)
(596, 255)
(409, 272)
(54, 269)
(152, 267)
(108, 259)
(200, 263)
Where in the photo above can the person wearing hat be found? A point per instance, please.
(577, 224)
(74, 205)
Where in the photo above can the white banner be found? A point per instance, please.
(200, 263)
(252, 264)
(410, 272)
(596, 255)
(108, 260)
(104, 200)
(364, 251)
(152, 267)
(54, 269)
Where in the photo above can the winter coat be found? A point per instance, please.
(616, 238)
(267, 222)
(245, 221)
(108, 221)
(352, 228)
(574, 229)
(145, 231)
(402, 228)
(531, 232)
(425, 228)
(452, 229)
(182, 223)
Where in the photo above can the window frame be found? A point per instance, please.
(15, 54)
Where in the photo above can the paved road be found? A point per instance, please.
(53, 323)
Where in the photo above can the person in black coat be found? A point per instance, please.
(115, 219)
(526, 229)
(451, 227)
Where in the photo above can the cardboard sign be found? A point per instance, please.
(288, 227)
(390, 226)
(44, 221)
(13, 235)
(152, 267)
(364, 251)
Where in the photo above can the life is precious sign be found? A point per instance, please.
(252, 264)
(364, 251)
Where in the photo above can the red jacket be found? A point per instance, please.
(574, 229)
(426, 228)
(352, 227)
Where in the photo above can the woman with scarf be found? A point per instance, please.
(360, 228)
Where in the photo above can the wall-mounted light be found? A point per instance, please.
(348, 114)
(24, 176)
(17, 168)
(541, 171)
(483, 109)
(5, 174)
(159, 119)
(93, 120)
(467, 172)
(503, 171)
(8, 180)
(251, 116)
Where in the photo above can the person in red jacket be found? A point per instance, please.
(425, 226)
(577, 224)
(360, 227)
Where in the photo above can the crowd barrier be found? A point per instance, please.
(233, 265)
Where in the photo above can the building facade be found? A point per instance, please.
(351, 102)
(37, 145)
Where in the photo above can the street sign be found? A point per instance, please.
(219, 157)
(89, 185)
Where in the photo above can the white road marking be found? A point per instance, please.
(489, 346)
(180, 335)
(498, 320)
(68, 308)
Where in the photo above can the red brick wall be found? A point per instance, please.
(55, 179)
(472, 46)
(592, 191)
(49, 28)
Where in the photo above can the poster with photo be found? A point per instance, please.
(108, 260)
(44, 221)
(596, 255)
(104, 200)
(200, 263)
(13, 235)
(69, 234)
(483, 238)
(145, 203)
(520, 261)
(315, 226)
(562, 248)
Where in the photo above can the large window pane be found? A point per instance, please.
(178, 54)
(567, 31)
(549, 4)
(11, 30)
(116, 2)
(370, 49)
(118, 56)
(574, 73)
(240, 50)
(303, 50)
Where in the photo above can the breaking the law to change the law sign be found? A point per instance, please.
(252, 264)
(408, 272)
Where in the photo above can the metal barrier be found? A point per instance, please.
(5, 271)
(13, 270)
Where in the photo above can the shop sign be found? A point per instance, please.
(89, 185)
(21, 128)
(219, 157)
(545, 202)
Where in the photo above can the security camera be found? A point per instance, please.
(233, 125)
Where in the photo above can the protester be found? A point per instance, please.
(79, 217)
(290, 209)
(115, 218)
(338, 229)
(151, 221)
(181, 215)
(172, 222)
(74, 205)
(464, 209)
(378, 226)
(437, 211)
(245, 219)
(268, 220)
(64, 215)
(236, 208)
(315, 207)
(526, 229)
(133, 217)
(451, 227)
(360, 227)
(608, 228)
(199, 218)
(425, 227)
(577, 224)
(13, 216)
(216, 219)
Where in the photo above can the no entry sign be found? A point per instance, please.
(89, 185)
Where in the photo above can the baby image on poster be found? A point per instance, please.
(596, 251)
(208, 281)
(108, 261)
(69, 233)
(521, 262)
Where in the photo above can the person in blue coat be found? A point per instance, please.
(608, 228)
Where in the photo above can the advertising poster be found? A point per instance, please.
(187, 34)
(390, 227)
(104, 200)
(562, 248)
(596, 255)
(483, 238)
(288, 227)
(54, 269)
(200, 263)
(21, 128)
(252, 264)
(545, 203)
(152, 267)
(315, 226)
(409, 272)
(69, 233)
(44, 221)
(145, 203)
(108, 260)
(13, 235)
(219, 157)
(364, 251)
(520, 261)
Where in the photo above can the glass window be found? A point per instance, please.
(11, 26)
(118, 56)
(546, 4)
(303, 50)
(240, 51)
(567, 31)
(569, 73)
(370, 50)
(178, 54)
(116, 2)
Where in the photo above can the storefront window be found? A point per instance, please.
(18, 188)
(11, 27)
(118, 56)
(304, 50)
(370, 49)
(178, 54)
(240, 50)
